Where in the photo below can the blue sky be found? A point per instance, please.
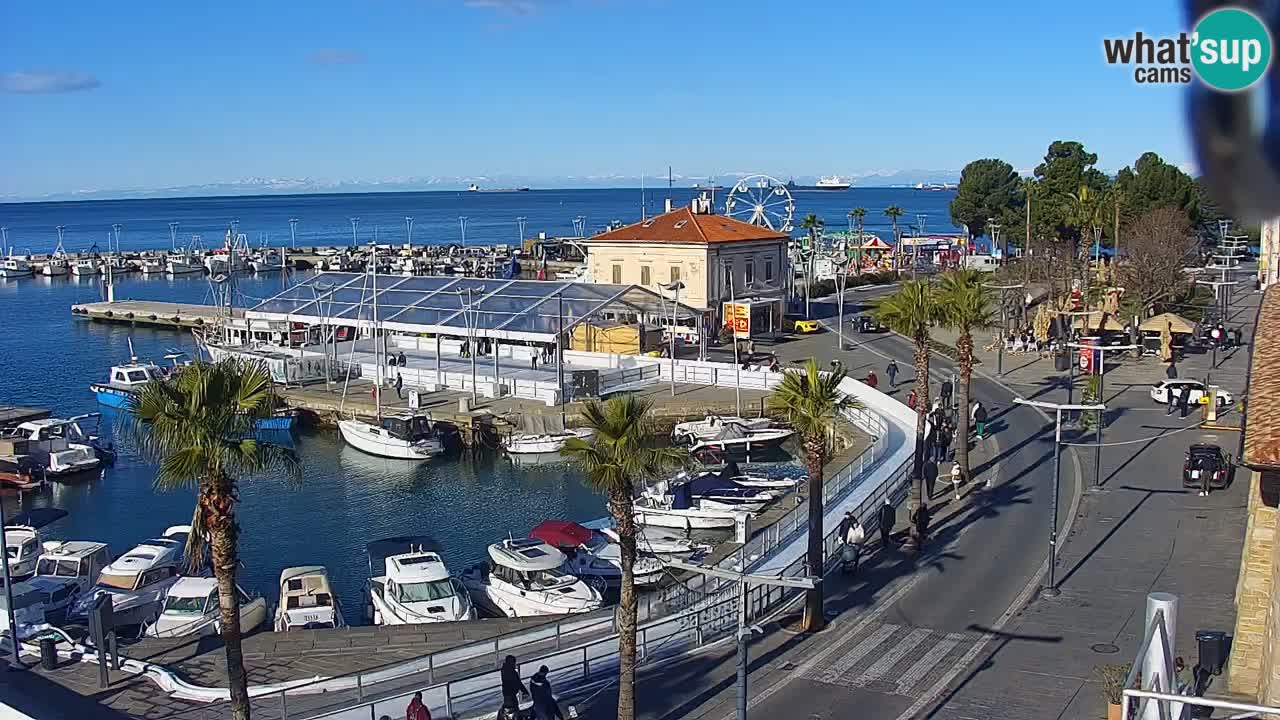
(155, 94)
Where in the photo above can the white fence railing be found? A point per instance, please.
(580, 650)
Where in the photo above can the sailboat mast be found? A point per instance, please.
(377, 356)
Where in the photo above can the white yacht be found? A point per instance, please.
(191, 608)
(60, 446)
(22, 549)
(183, 264)
(118, 265)
(86, 266)
(56, 265)
(593, 554)
(404, 437)
(526, 578)
(152, 265)
(78, 562)
(734, 438)
(680, 511)
(15, 266)
(688, 433)
(267, 261)
(413, 586)
(306, 600)
(659, 542)
(544, 442)
(138, 580)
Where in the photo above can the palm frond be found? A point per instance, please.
(910, 311)
(625, 450)
(810, 400)
(964, 302)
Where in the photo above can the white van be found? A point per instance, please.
(981, 263)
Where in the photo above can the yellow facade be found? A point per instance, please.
(702, 267)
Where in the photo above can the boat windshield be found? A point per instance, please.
(425, 591)
(11, 551)
(120, 582)
(548, 579)
(53, 567)
(185, 605)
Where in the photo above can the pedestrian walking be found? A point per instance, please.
(533, 361)
(892, 371)
(945, 393)
(545, 706)
(912, 399)
(930, 470)
(1171, 372)
(512, 688)
(1237, 337)
(417, 710)
(872, 381)
(957, 477)
(888, 516)
(751, 348)
(400, 359)
(1184, 402)
(854, 536)
(979, 421)
(1171, 400)
(399, 386)
(920, 519)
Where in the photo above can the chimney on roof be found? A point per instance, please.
(667, 205)
(701, 205)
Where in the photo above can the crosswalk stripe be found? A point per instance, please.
(921, 667)
(839, 667)
(885, 664)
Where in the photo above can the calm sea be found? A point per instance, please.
(345, 498)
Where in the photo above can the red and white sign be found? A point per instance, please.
(737, 317)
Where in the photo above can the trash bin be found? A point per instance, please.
(1212, 646)
(1061, 361)
(49, 653)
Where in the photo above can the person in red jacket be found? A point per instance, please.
(417, 710)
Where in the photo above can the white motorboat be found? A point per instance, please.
(734, 438)
(57, 264)
(76, 561)
(183, 265)
(152, 265)
(679, 510)
(307, 601)
(592, 554)
(15, 266)
(118, 265)
(526, 578)
(660, 542)
(60, 446)
(138, 580)
(708, 428)
(409, 585)
(404, 437)
(22, 549)
(553, 441)
(84, 267)
(191, 607)
(267, 261)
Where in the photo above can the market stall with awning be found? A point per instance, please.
(1174, 323)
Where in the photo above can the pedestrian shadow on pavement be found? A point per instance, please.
(1147, 494)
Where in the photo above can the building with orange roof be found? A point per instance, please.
(714, 257)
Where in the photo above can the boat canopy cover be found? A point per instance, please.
(526, 555)
(561, 533)
(379, 550)
(534, 424)
(462, 307)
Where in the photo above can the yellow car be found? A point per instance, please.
(803, 327)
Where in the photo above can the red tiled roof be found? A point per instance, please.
(684, 226)
(1262, 427)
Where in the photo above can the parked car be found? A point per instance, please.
(801, 326)
(1160, 392)
(1206, 458)
(867, 324)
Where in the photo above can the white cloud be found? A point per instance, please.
(44, 82)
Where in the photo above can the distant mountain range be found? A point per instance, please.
(294, 186)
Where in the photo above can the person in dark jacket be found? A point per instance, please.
(930, 470)
(1184, 402)
(920, 518)
(945, 393)
(888, 516)
(545, 706)
(512, 687)
(892, 371)
(1171, 372)
(400, 359)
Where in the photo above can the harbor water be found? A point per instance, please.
(344, 499)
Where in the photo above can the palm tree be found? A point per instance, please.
(893, 212)
(912, 311)
(198, 427)
(810, 401)
(965, 305)
(625, 452)
(859, 215)
(814, 225)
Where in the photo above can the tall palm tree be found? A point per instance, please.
(912, 311)
(965, 305)
(814, 225)
(893, 212)
(199, 428)
(625, 452)
(810, 401)
(859, 215)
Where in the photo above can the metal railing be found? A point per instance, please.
(582, 649)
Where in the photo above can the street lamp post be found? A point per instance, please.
(408, 233)
(1051, 582)
(1004, 324)
(468, 319)
(293, 233)
(462, 223)
(355, 223)
(733, 335)
(8, 593)
(1102, 390)
(675, 304)
(842, 279)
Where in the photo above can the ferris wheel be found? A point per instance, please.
(762, 200)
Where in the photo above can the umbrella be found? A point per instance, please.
(1092, 321)
(1168, 321)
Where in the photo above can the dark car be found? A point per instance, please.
(1206, 458)
(868, 324)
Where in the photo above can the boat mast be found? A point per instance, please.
(377, 356)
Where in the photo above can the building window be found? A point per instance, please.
(768, 271)
(749, 273)
(675, 273)
(617, 274)
(645, 280)
(726, 280)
